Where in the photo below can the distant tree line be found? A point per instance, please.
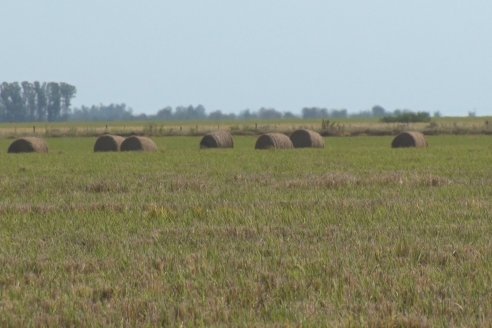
(407, 117)
(51, 101)
(199, 113)
(35, 101)
(196, 113)
(120, 112)
(111, 112)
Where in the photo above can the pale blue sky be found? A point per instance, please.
(433, 55)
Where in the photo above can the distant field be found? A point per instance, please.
(356, 234)
(338, 127)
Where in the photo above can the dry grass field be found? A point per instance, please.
(354, 234)
(332, 127)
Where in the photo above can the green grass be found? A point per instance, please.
(353, 234)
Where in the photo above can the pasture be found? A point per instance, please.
(355, 234)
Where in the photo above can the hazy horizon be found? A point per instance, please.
(230, 56)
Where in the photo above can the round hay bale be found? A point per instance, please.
(273, 141)
(303, 138)
(28, 145)
(137, 143)
(108, 142)
(409, 139)
(217, 139)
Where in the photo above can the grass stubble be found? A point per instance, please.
(353, 234)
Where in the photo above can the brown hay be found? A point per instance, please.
(409, 139)
(303, 138)
(136, 143)
(28, 145)
(108, 142)
(273, 141)
(218, 139)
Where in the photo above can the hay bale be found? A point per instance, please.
(273, 141)
(28, 145)
(217, 139)
(303, 138)
(409, 139)
(137, 143)
(108, 142)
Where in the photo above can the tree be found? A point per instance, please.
(3, 109)
(35, 101)
(41, 101)
(105, 113)
(29, 100)
(378, 111)
(246, 114)
(341, 113)
(362, 114)
(11, 97)
(54, 101)
(4, 100)
(314, 112)
(67, 92)
(216, 115)
(289, 115)
(190, 113)
(200, 112)
(165, 114)
(269, 113)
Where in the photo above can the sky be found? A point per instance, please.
(232, 55)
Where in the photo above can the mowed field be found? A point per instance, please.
(355, 234)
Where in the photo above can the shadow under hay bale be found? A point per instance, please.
(28, 145)
(304, 138)
(409, 139)
(108, 142)
(217, 139)
(136, 143)
(273, 141)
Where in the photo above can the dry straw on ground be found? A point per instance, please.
(137, 143)
(217, 139)
(28, 145)
(409, 139)
(303, 138)
(108, 142)
(273, 141)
